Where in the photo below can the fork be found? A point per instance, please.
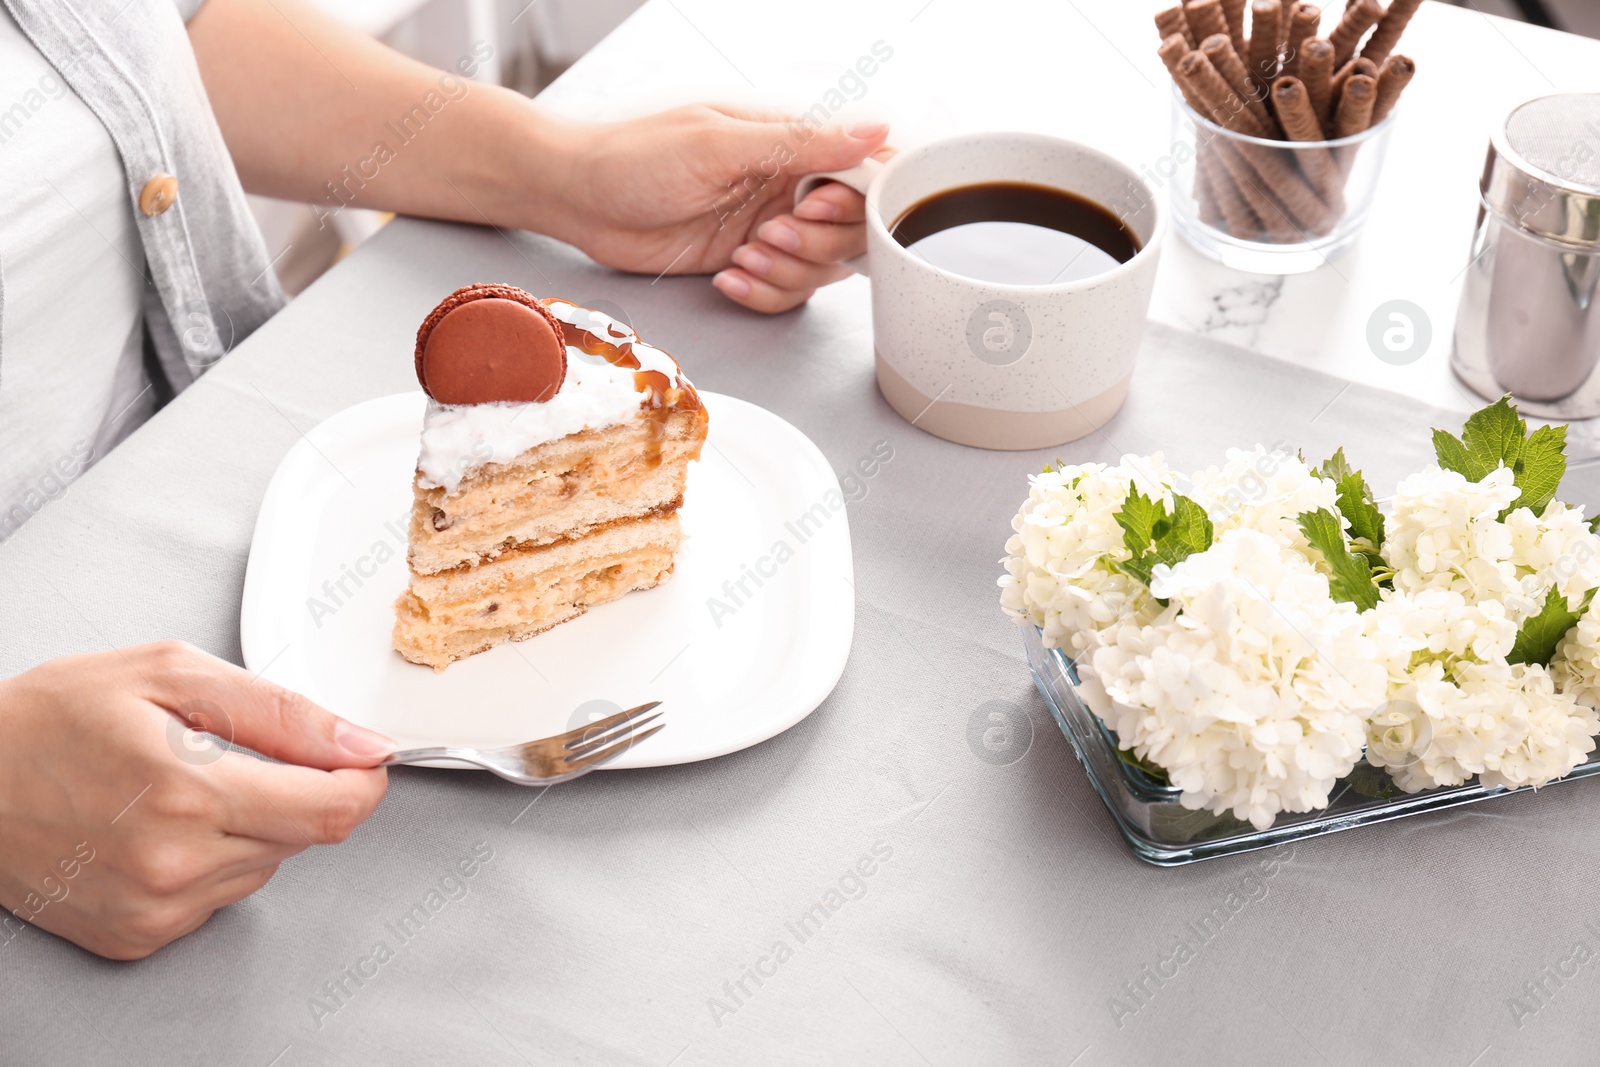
(552, 759)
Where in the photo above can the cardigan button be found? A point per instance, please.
(158, 194)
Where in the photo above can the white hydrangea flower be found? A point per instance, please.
(1437, 626)
(1252, 688)
(1061, 572)
(1576, 664)
(1558, 544)
(1432, 732)
(1396, 732)
(1443, 532)
(1262, 489)
(1556, 549)
(1556, 732)
(1505, 723)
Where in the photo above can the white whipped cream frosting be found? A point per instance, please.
(459, 438)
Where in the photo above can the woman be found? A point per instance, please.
(129, 261)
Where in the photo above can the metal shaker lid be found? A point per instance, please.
(1543, 170)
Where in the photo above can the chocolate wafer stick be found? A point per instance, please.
(1236, 212)
(1355, 106)
(1255, 215)
(1342, 78)
(1275, 221)
(1300, 122)
(1358, 17)
(1286, 187)
(1390, 27)
(1172, 51)
(1205, 18)
(1206, 198)
(1173, 48)
(1353, 116)
(1219, 50)
(1218, 100)
(1212, 177)
(1233, 14)
(1266, 41)
(1277, 176)
(1206, 188)
(1172, 21)
(1304, 19)
(1393, 77)
(1316, 71)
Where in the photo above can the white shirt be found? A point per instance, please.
(72, 376)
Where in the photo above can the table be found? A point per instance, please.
(938, 899)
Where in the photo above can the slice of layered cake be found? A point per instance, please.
(554, 453)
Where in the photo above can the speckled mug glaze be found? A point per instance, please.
(992, 365)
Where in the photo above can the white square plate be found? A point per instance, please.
(745, 639)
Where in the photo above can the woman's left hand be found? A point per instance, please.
(701, 189)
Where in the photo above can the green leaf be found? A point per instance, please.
(1496, 436)
(1352, 574)
(1138, 517)
(1454, 456)
(1369, 781)
(1356, 503)
(1153, 536)
(1191, 531)
(1539, 635)
(1335, 467)
(1544, 461)
(1155, 772)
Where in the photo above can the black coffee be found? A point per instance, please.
(1015, 233)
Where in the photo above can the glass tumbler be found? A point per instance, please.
(1268, 206)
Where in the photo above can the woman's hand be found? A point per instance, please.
(122, 829)
(693, 190)
(702, 189)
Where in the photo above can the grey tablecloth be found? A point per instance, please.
(931, 906)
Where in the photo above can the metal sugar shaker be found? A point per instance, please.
(1528, 323)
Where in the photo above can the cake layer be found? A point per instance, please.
(559, 490)
(448, 616)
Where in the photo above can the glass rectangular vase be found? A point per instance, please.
(1162, 831)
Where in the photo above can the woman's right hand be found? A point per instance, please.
(122, 830)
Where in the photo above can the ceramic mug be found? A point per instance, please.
(996, 365)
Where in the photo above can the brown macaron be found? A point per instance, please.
(487, 343)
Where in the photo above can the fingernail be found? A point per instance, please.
(732, 284)
(868, 131)
(780, 234)
(817, 210)
(359, 741)
(753, 260)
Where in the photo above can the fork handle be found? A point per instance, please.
(420, 755)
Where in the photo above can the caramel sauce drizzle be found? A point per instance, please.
(661, 399)
(594, 345)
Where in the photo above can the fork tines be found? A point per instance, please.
(596, 742)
